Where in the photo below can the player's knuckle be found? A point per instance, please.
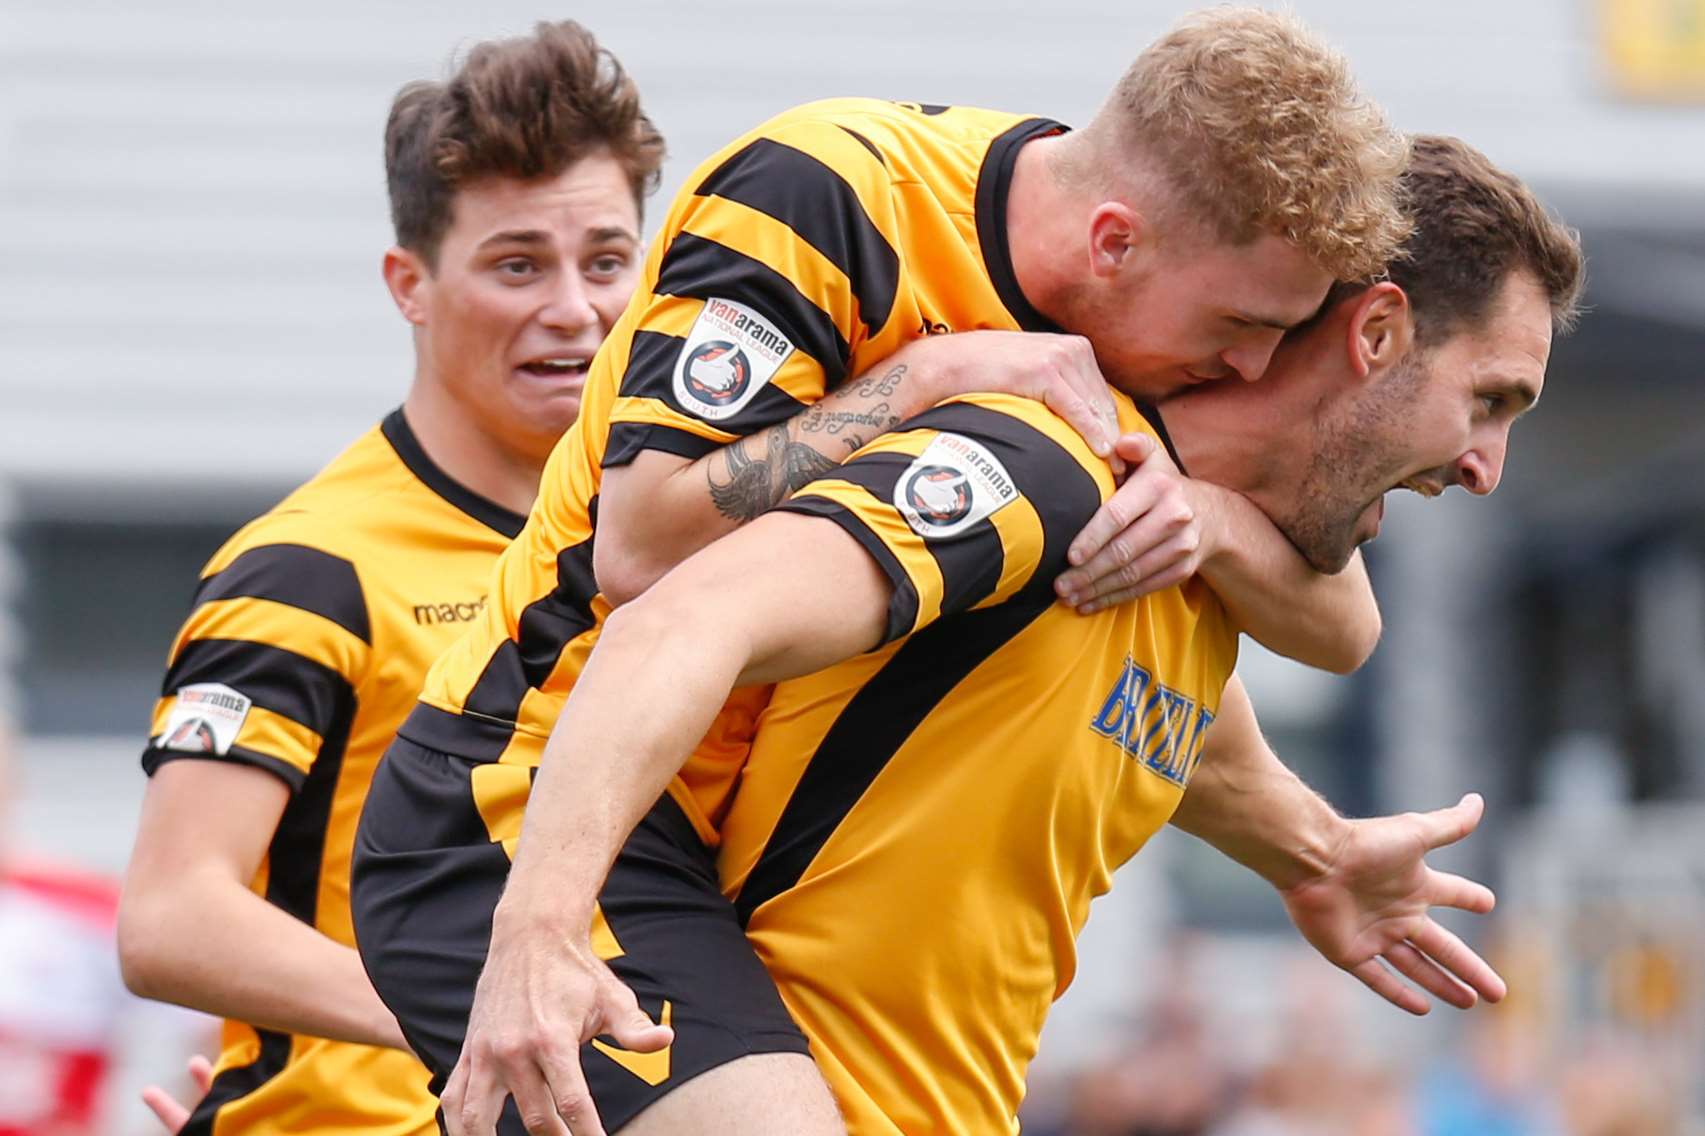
(572, 1104)
(547, 1049)
(509, 1048)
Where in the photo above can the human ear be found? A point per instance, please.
(1115, 233)
(1381, 330)
(408, 280)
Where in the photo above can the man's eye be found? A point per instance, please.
(609, 265)
(516, 266)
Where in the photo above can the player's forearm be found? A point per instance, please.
(1330, 622)
(1246, 803)
(206, 942)
(708, 498)
(648, 694)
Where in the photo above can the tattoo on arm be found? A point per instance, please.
(746, 492)
(751, 484)
(754, 484)
(871, 384)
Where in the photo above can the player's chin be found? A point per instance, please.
(553, 405)
(1368, 523)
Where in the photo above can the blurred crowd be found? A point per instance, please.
(1505, 1071)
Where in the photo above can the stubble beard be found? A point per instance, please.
(1344, 475)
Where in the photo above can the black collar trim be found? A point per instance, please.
(994, 182)
(1151, 414)
(482, 509)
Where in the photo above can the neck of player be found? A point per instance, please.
(1042, 218)
(472, 457)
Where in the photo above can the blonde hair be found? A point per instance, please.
(1257, 126)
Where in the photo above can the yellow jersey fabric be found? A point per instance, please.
(308, 636)
(919, 830)
(798, 257)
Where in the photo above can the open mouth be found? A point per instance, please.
(1416, 485)
(557, 366)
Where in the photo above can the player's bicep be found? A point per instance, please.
(200, 816)
(787, 595)
(1234, 730)
(835, 593)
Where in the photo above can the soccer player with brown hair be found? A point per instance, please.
(518, 239)
(836, 236)
(952, 764)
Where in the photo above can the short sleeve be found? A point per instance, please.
(776, 264)
(265, 669)
(968, 505)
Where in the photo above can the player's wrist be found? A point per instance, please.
(931, 375)
(1219, 539)
(1313, 851)
(525, 911)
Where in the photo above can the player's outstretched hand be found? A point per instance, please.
(538, 1000)
(173, 1113)
(1058, 371)
(1149, 535)
(1370, 912)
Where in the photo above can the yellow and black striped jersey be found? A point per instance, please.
(971, 785)
(308, 637)
(803, 253)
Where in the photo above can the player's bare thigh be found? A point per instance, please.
(759, 1095)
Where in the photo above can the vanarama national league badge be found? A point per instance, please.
(951, 486)
(205, 719)
(730, 353)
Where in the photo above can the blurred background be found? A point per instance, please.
(192, 320)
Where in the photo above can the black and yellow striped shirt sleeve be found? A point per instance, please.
(776, 266)
(969, 505)
(265, 668)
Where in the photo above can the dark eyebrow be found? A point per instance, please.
(536, 237)
(517, 237)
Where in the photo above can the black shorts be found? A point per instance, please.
(427, 877)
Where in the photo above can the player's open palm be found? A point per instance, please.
(538, 1000)
(1371, 911)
